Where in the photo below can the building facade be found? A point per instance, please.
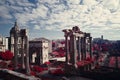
(17, 38)
(3, 44)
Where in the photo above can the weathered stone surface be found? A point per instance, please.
(12, 75)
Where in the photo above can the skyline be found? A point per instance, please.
(47, 18)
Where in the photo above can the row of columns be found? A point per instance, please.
(76, 45)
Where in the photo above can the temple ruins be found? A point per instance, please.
(78, 48)
(19, 45)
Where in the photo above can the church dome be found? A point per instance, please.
(14, 29)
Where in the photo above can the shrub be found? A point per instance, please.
(37, 69)
(58, 71)
(7, 55)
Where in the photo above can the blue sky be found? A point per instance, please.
(47, 18)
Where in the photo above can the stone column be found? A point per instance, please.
(67, 45)
(75, 50)
(84, 48)
(15, 51)
(79, 49)
(71, 48)
(90, 38)
(22, 55)
(82, 45)
(91, 66)
(27, 55)
(67, 48)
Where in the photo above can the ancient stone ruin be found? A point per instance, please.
(19, 45)
(78, 48)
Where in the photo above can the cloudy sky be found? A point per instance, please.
(46, 18)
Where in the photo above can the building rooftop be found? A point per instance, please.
(40, 39)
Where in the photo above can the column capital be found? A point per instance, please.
(66, 30)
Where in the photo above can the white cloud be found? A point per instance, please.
(34, 14)
(23, 3)
(113, 5)
(92, 15)
(37, 27)
(17, 8)
(89, 2)
(4, 12)
(73, 1)
(40, 11)
(48, 1)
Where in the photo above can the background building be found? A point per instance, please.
(3, 44)
(39, 50)
(17, 33)
(44, 39)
